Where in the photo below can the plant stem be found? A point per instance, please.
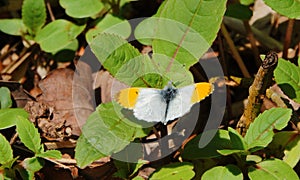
(253, 43)
(288, 36)
(234, 51)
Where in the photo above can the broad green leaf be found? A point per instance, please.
(287, 76)
(55, 154)
(289, 8)
(246, 2)
(145, 31)
(5, 100)
(81, 9)
(33, 15)
(105, 132)
(220, 141)
(174, 171)
(32, 165)
(184, 29)
(12, 27)
(8, 117)
(230, 172)
(127, 65)
(238, 11)
(253, 158)
(6, 154)
(125, 169)
(85, 152)
(57, 35)
(260, 132)
(289, 143)
(110, 24)
(236, 139)
(226, 152)
(29, 134)
(272, 169)
(125, 62)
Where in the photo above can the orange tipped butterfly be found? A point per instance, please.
(163, 105)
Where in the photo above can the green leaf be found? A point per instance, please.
(138, 178)
(184, 29)
(106, 131)
(81, 9)
(32, 165)
(272, 169)
(55, 154)
(287, 76)
(57, 35)
(246, 2)
(33, 15)
(289, 8)
(238, 11)
(236, 139)
(110, 24)
(260, 132)
(12, 27)
(5, 100)
(253, 158)
(220, 141)
(174, 171)
(8, 117)
(125, 62)
(29, 135)
(6, 154)
(230, 172)
(226, 152)
(126, 169)
(289, 143)
(85, 152)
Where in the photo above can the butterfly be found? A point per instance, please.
(163, 105)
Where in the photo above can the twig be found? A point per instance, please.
(13, 139)
(50, 11)
(262, 80)
(234, 51)
(253, 43)
(287, 39)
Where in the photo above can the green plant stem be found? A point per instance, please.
(234, 51)
(288, 36)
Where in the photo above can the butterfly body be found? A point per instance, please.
(162, 105)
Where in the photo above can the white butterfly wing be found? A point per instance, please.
(181, 104)
(150, 105)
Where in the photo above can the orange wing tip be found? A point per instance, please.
(127, 97)
(202, 90)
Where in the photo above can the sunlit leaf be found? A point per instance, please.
(229, 172)
(81, 9)
(289, 8)
(272, 169)
(287, 76)
(34, 15)
(260, 132)
(174, 171)
(29, 134)
(12, 27)
(57, 35)
(5, 100)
